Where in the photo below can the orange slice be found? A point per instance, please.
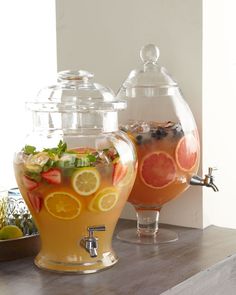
(157, 170)
(104, 200)
(186, 152)
(86, 181)
(62, 205)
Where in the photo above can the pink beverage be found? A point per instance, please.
(163, 129)
(167, 159)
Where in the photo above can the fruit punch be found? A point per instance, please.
(168, 156)
(68, 190)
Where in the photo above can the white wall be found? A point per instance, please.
(219, 96)
(105, 37)
(28, 62)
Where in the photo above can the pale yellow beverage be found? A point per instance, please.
(69, 192)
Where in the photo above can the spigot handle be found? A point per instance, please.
(92, 229)
(96, 228)
(210, 170)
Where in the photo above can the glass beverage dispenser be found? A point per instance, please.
(75, 172)
(162, 127)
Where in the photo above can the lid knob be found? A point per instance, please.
(74, 75)
(149, 53)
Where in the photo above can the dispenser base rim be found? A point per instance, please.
(108, 260)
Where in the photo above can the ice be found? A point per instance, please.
(136, 127)
(38, 159)
(145, 127)
(104, 158)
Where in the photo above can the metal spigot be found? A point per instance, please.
(207, 181)
(90, 243)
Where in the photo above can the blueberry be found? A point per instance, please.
(139, 138)
(153, 134)
(160, 133)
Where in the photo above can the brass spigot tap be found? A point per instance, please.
(207, 181)
(90, 243)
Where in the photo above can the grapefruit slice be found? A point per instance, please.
(157, 170)
(129, 175)
(186, 152)
(119, 172)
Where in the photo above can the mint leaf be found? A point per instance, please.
(82, 162)
(50, 164)
(91, 158)
(29, 149)
(32, 175)
(62, 146)
(57, 151)
(106, 150)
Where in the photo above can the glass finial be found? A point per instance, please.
(149, 53)
(74, 75)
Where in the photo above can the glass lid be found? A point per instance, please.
(75, 91)
(150, 78)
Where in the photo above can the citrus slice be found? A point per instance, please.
(86, 181)
(157, 170)
(62, 205)
(186, 152)
(104, 200)
(10, 232)
(119, 172)
(129, 175)
(84, 150)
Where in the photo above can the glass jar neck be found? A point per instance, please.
(75, 122)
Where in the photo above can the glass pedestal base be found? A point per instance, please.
(162, 236)
(86, 267)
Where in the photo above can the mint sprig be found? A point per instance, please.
(29, 149)
(91, 158)
(57, 151)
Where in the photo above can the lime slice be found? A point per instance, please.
(10, 232)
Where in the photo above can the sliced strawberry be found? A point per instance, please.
(52, 176)
(119, 173)
(29, 183)
(36, 200)
(111, 154)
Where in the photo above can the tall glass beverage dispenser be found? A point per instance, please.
(75, 171)
(161, 125)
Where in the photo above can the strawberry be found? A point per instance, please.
(29, 183)
(36, 201)
(52, 176)
(119, 173)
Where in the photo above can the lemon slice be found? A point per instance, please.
(62, 205)
(86, 181)
(104, 200)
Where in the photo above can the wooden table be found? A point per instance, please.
(201, 261)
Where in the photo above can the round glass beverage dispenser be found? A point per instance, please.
(162, 127)
(75, 172)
